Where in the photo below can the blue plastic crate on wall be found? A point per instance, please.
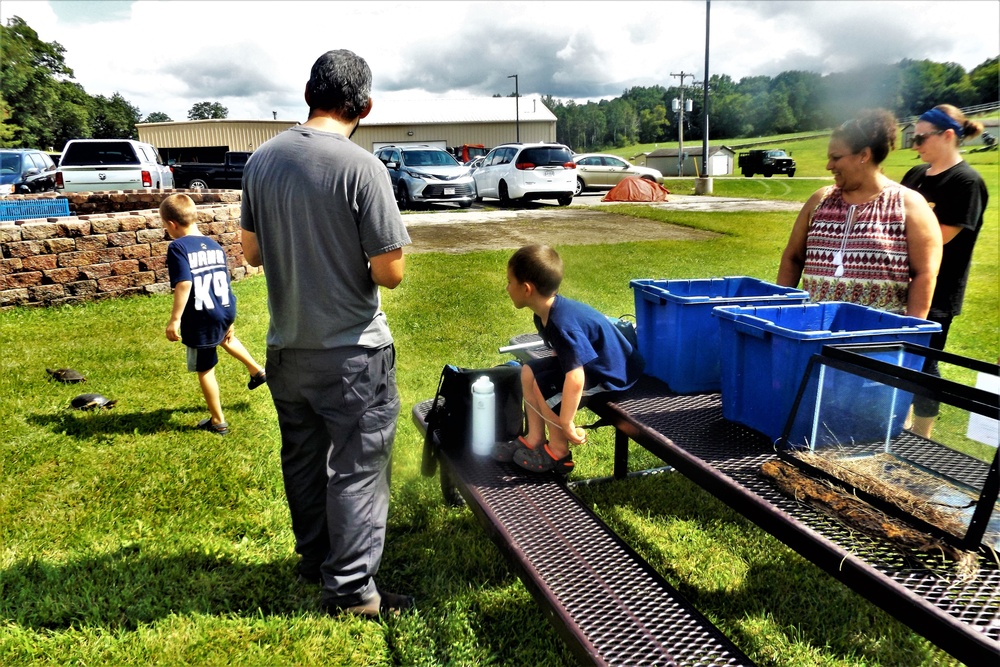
(26, 209)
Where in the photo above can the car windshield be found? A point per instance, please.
(99, 153)
(546, 155)
(429, 159)
(776, 153)
(10, 163)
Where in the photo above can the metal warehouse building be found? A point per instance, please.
(208, 140)
(488, 121)
(437, 122)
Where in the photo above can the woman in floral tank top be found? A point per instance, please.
(866, 239)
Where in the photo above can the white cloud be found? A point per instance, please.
(254, 56)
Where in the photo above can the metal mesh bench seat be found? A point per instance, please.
(605, 601)
(26, 209)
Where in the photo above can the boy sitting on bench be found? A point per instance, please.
(591, 357)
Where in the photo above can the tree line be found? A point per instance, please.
(41, 106)
(793, 101)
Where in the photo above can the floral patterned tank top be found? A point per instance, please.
(858, 253)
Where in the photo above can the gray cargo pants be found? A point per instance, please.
(337, 413)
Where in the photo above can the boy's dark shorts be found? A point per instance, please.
(201, 359)
(549, 377)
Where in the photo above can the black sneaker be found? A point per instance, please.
(257, 380)
(382, 604)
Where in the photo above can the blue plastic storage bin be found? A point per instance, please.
(27, 209)
(679, 338)
(765, 351)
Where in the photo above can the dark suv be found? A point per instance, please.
(24, 171)
(426, 174)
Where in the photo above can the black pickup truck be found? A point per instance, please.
(769, 162)
(203, 175)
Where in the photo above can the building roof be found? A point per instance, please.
(441, 111)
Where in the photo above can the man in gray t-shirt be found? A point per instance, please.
(319, 215)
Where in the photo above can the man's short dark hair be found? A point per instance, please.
(340, 81)
(539, 265)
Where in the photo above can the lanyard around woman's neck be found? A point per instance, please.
(838, 256)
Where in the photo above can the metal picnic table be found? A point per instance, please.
(961, 615)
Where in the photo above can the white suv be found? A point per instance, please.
(111, 164)
(527, 171)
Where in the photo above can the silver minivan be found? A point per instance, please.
(111, 164)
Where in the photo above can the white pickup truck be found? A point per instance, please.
(111, 164)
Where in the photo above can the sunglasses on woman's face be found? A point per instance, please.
(919, 139)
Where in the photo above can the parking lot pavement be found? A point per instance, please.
(478, 213)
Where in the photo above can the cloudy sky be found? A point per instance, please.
(254, 56)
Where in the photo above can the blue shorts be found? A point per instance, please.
(201, 359)
(549, 377)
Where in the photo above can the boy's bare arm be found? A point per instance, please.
(181, 292)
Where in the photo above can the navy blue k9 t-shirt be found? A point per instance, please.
(211, 306)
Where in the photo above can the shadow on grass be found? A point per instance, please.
(463, 585)
(125, 589)
(86, 425)
(460, 584)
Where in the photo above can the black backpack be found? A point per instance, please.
(450, 416)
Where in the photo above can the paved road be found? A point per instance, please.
(444, 216)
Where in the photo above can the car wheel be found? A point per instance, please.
(768, 174)
(197, 184)
(403, 197)
(748, 174)
(565, 200)
(579, 186)
(502, 194)
(791, 173)
(465, 204)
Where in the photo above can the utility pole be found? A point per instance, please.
(517, 107)
(680, 109)
(704, 106)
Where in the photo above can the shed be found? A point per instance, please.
(721, 160)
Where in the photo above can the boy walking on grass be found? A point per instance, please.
(591, 357)
(204, 305)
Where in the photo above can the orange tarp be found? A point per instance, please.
(633, 188)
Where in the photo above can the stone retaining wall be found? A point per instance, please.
(114, 246)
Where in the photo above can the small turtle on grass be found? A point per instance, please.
(91, 401)
(67, 375)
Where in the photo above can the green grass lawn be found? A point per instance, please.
(128, 537)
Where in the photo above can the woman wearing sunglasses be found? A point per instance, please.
(957, 194)
(866, 239)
